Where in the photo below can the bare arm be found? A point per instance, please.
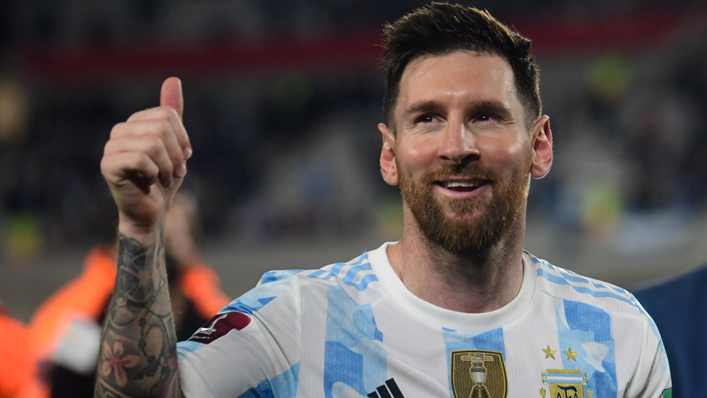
(144, 164)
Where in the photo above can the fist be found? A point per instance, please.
(144, 162)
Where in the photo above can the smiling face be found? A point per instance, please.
(462, 153)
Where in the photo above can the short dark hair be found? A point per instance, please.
(441, 28)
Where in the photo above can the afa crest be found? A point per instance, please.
(565, 384)
(478, 374)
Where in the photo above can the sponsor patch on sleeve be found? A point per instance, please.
(219, 326)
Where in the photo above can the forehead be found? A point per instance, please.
(458, 76)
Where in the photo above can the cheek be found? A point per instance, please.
(413, 156)
(500, 153)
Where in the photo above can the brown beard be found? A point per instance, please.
(455, 234)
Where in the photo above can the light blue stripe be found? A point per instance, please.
(185, 347)
(571, 376)
(322, 273)
(361, 259)
(353, 351)
(574, 278)
(351, 273)
(573, 381)
(541, 262)
(359, 265)
(316, 273)
(364, 282)
(562, 281)
(337, 267)
(283, 385)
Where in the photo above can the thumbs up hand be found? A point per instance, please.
(144, 162)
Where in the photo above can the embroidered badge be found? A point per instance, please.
(220, 325)
(478, 374)
(565, 384)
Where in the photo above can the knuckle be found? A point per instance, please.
(117, 130)
(135, 115)
(164, 127)
(153, 144)
(177, 157)
(170, 112)
(145, 164)
(165, 112)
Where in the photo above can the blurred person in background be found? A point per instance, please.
(455, 308)
(66, 327)
(676, 306)
(18, 367)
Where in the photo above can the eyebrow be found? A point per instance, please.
(496, 107)
(422, 107)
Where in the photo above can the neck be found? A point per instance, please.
(469, 282)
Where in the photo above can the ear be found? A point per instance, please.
(389, 169)
(542, 148)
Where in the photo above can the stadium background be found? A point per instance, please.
(282, 99)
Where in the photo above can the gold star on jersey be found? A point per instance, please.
(571, 355)
(549, 353)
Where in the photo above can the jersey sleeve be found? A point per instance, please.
(652, 378)
(251, 347)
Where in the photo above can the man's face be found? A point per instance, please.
(462, 150)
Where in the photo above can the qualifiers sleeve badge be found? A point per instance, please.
(219, 326)
(565, 384)
(478, 374)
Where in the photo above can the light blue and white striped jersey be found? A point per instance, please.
(354, 330)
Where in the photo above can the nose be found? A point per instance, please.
(458, 144)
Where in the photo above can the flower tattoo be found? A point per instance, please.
(117, 360)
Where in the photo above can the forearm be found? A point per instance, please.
(138, 348)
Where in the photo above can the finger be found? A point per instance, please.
(166, 113)
(158, 127)
(164, 129)
(151, 146)
(171, 95)
(130, 166)
(159, 112)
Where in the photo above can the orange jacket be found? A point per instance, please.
(17, 364)
(86, 296)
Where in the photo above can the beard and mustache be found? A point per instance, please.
(459, 234)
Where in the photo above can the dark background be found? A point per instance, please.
(282, 99)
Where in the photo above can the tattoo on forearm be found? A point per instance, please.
(138, 350)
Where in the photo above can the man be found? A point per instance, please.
(454, 309)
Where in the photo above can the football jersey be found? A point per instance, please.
(354, 330)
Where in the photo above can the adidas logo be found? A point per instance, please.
(388, 390)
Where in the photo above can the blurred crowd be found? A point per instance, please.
(292, 151)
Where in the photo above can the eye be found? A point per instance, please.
(425, 119)
(484, 117)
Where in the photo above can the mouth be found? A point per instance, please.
(462, 185)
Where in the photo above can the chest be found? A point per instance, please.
(561, 351)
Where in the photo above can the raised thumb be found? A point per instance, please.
(171, 95)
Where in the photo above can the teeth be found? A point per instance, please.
(464, 184)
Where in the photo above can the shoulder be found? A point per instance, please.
(350, 277)
(588, 304)
(592, 295)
